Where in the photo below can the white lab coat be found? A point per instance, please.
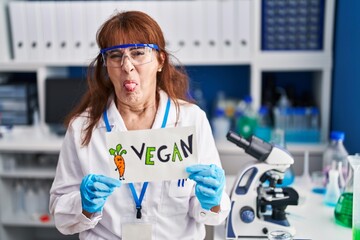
(174, 212)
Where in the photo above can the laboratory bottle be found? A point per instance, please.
(247, 123)
(263, 128)
(31, 207)
(312, 114)
(220, 124)
(200, 100)
(344, 206)
(335, 157)
(282, 110)
(332, 192)
(19, 198)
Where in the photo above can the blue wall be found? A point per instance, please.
(232, 80)
(345, 114)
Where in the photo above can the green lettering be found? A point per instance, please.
(176, 152)
(149, 155)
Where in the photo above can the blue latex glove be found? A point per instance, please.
(210, 181)
(94, 191)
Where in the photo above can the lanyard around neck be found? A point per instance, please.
(138, 200)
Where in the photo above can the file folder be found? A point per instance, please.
(242, 31)
(48, 33)
(77, 40)
(166, 22)
(63, 29)
(92, 24)
(18, 30)
(211, 18)
(107, 9)
(196, 39)
(34, 38)
(180, 24)
(227, 29)
(4, 38)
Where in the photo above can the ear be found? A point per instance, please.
(162, 59)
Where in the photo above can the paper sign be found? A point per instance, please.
(151, 155)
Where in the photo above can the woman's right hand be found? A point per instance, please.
(94, 191)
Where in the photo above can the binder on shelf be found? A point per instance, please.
(107, 9)
(49, 34)
(211, 18)
(181, 25)
(93, 22)
(227, 29)
(196, 40)
(18, 30)
(165, 18)
(152, 9)
(5, 43)
(63, 30)
(242, 29)
(77, 40)
(34, 31)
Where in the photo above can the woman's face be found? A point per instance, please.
(135, 85)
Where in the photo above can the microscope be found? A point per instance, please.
(257, 203)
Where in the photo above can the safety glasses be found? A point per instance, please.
(138, 54)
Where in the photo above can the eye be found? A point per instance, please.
(115, 56)
(138, 52)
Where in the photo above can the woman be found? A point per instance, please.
(132, 86)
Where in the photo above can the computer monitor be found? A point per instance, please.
(61, 96)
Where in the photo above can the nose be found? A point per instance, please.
(126, 64)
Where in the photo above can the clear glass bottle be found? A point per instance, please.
(220, 124)
(335, 157)
(332, 193)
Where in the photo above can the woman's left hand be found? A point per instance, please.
(210, 182)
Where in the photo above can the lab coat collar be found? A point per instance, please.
(117, 123)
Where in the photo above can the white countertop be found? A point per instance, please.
(311, 218)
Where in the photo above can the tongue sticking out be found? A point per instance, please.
(130, 86)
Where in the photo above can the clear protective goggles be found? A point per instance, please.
(138, 54)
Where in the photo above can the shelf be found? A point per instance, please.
(230, 148)
(30, 139)
(25, 221)
(29, 173)
(34, 66)
(16, 66)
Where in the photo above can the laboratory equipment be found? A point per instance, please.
(332, 193)
(355, 164)
(279, 235)
(343, 209)
(247, 123)
(221, 124)
(344, 206)
(335, 157)
(263, 128)
(258, 208)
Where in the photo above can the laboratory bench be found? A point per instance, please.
(311, 218)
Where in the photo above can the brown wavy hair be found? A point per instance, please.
(122, 28)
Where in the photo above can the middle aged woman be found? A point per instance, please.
(133, 85)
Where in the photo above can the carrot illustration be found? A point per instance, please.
(119, 160)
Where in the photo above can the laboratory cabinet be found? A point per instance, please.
(28, 159)
(267, 36)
